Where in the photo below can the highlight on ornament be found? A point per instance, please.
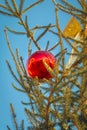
(35, 66)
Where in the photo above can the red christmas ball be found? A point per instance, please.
(35, 65)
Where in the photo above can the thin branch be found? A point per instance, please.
(8, 127)
(21, 90)
(32, 5)
(6, 13)
(15, 32)
(14, 58)
(29, 48)
(14, 116)
(79, 16)
(9, 8)
(3, 7)
(60, 34)
(29, 34)
(75, 121)
(22, 125)
(30, 103)
(15, 6)
(19, 61)
(43, 33)
(21, 6)
(41, 27)
(47, 46)
(13, 73)
(80, 2)
(70, 6)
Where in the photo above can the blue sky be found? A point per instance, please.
(39, 15)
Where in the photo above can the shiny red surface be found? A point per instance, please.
(35, 66)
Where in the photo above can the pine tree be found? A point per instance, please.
(61, 101)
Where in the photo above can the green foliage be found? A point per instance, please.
(55, 102)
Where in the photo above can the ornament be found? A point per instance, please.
(35, 65)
